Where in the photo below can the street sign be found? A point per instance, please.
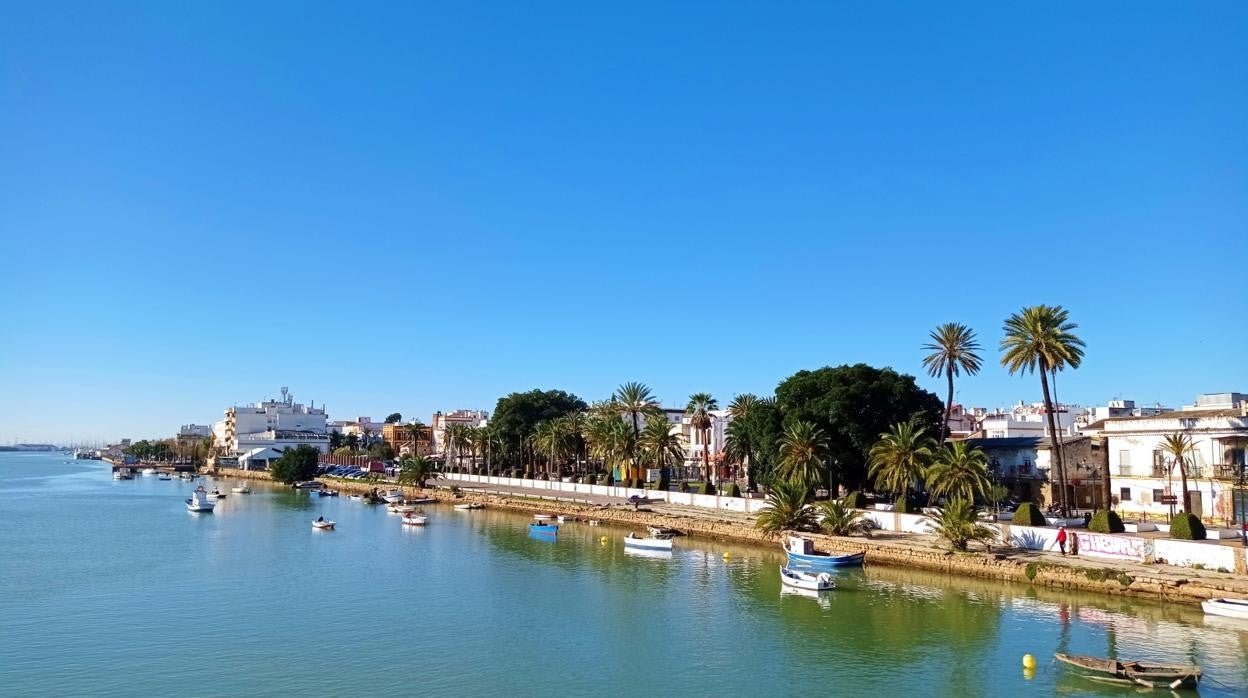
(1169, 499)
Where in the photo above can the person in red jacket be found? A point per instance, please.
(1061, 539)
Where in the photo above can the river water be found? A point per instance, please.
(113, 588)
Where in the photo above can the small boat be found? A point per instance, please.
(1231, 608)
(1147, 674)
(662, 531)
(308, 485)
(241, 489)
(355, 497)
(323, 525)
(326, 493)
(652, 543)
(565, 518)
(393, 496)
(122, 474)
(543, 528)
(470, 506)
(593, 522)
(415, 519)
(165, 476)
(216, 493)
(423, 500)
(543, 518)
(400, 509)
(811, 581)
(148, 471)
(802, 551)
(200, 501)
(185, 476)
(647, 552)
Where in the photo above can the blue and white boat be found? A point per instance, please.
(802, 552)
(543, 528)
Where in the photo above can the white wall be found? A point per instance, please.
(1191, 553)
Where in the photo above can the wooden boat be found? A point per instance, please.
(400, 509)
(470, 506)
(1231, 608)
(323, 525)
(811, 581)
(415, 519)
(1147, 674)
(422, 500)
(651, 543)
(543, 528)
(662, 531)
(802, 551)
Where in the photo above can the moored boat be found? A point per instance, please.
(543, 528)
(165, 476)
(811, 581)
(652, 543)
(392, 496)
(470, 506)
(543, 518)
(1230, 608)
(122, 474)
(323, 524)
(802, 551)
(1146, 674)
(415, 519)
(662, 531)
(400, 509)
(241, 489)
(355, 497)
(422, 500)
(308, 485)
(200, 501)
(326, 493)
(148, 471)
(216, 493)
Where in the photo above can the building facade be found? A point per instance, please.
(278, 424)
(441, 420)
(399, 438)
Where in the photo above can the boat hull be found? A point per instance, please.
(853, 560)
(543, 528)
(1227, 608)
(648, 543)
(1134, 673)
(810, 582)
(323, 525)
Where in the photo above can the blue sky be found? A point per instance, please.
(412, 207)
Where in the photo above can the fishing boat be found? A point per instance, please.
(593, 522)
(200, 501)
(415, 519)
(323, 525)
(355, 497)
(165, 476)
(802, 552)
(326, 493)
(647, 552)
(1231, 608)
(308, 485)
(543, 528)
(811, 581)
(122, 474)
(400, 509)
(652, 543)
(564, 519)
(1146, 674)
(216, 494)
(393, 496)
(241, 489)
(470, 506)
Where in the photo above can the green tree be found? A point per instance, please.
(953, 349)
(296, 464)
(610, 439)
(958, 471)
(1179, 449)
(1041, 338)
(415, 471)
(335, 441)
(352, 441)
(839, 519)
(661, 447)
(635, 400)
(853, 405)
(394, 418)
(754, 437)
(900, 458)
(517, 414)
(381, 451)
(698, 410)
(802, 451)
(958, 523)
(416, 431)
(787, 508)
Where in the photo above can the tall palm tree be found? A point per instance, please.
(958, 471)
(802, 451)
(1179, 447)
(573, 426)
(737, 443)
(416, 430)
(742, 404)
(900, 458)
(635, 399)
(953, 349)
(660, 446)
(1041, 338)
(698, 410)
(550, 440)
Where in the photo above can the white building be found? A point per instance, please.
(1142, 474)
(1116, 409)
(195, 431)
(1030, 420)
(278, 424)
(441, 420)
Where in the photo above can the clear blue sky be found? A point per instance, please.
(409, 208)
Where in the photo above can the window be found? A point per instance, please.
(1159, 459)
(1124, 494)
(1124, 459)
(1158, 494)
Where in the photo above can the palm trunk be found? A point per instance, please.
(706, 453)
(1187, 504)
(945, 431)
(1107, 499)
(634, 464)
(1053, 438)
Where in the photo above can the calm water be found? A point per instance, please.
(112, 587)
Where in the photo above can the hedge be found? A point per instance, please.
(1028, 514)
(1187, 527)
(855, 500)
(1106, 521)
(731, 490)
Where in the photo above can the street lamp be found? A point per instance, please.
(1238, 503)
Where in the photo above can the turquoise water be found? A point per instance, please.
(113, 588)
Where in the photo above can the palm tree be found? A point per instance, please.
(953, 350)
(610, 439)
(839, 519)
(550, 439)
(1179, 447)
(660, 446)
(958, 471)
(415, 471)
(787, 508)
(1042, 338)
(417, 431)
(900, 457)
(802, 451)
(635, 399)
(737, 443)
(698, 410)
(742, 404)
(573, 427)
(959, 524)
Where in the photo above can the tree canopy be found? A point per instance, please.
(853, 405)
(518, 414)
(394, 418)
(297, 464)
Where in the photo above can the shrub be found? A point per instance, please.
(1106, 521)
(1125, 579)
(731, 490)
(1031, 570)
(664, 481)
(855, 500)
(1187, 527)
(1028, 514)
(706, 488)
(684, 487)
(840, 520)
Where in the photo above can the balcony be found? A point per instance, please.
(1227, 471)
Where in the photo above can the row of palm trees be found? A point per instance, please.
(907, 455)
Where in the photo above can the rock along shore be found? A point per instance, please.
(1117, 578)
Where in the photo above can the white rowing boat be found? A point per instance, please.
(1230, 608)
(810, 581)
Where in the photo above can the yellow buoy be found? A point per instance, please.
(603, 539)
(1029, 662)
(1029, 674)
(727, 555)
